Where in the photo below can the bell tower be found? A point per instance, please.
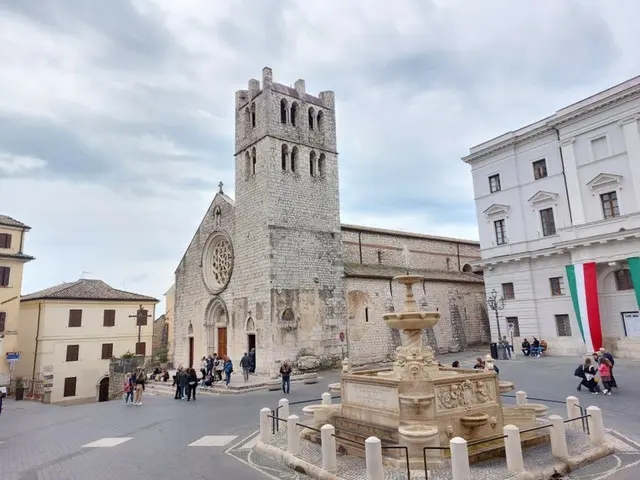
(288, 245)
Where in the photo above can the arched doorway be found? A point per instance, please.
(103, 390)
(215, 325)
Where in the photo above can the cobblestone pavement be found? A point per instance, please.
(168, 439)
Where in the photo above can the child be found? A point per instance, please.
(128, 390)
(605, 375)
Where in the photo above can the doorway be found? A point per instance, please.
(251, 345)
(191, 352)
(103, 390)
(222, 341)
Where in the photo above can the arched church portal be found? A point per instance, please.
(215, 327)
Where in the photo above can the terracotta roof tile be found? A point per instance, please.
(86, 289)
(12, 222)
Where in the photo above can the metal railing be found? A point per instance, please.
(424, 458)
(583, 415)
(406, 456)
(276, 411)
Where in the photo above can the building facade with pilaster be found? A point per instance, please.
(558, 208)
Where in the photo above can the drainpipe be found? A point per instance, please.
(35, 352)
(360, 245)
(564, 177)
(22, 240)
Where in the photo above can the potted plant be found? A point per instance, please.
(19, 388)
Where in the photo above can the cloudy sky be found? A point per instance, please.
(116, 117)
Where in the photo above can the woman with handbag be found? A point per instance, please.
(192, 384)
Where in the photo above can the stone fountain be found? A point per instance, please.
(418, 403)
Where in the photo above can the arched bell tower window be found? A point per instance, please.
(294, 114)
(283, 111)
(285, 156)
(248, 166)
(294, 159)
(253, 161)
(321, 165)
(320, 121)
(311, 117)
(247, 119)
(253, 115)
(313, 170)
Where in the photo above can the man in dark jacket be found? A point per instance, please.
(245, 364)
(285, 371)
(252, 361)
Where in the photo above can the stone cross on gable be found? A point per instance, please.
(220, 187)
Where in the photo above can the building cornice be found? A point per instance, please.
(587, 107)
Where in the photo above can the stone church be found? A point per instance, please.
(274, 269)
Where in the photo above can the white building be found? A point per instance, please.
(69, 333)
(564, 191)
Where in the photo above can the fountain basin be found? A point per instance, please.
(506, 386)
(539, 409)
(310, 410)
(412, 320)
(335, 387)
(415, 400)
(474, 420)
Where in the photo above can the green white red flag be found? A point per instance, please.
(583, 284)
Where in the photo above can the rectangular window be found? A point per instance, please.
(563, 325)
(623, 279)
(107, 351)
(5, 240)
(548, 222)
(610, 206)
(141, 348)
(70, 387)
(501, 234)
(4, 276)
(508, 293)
(75, 318)
(557, 286)
(109, 319)
(513, 322)
(73, 353)
(540, 169)
(3, 320)
(494, 183)
(600, 148)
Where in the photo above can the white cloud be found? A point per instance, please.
(19, 164)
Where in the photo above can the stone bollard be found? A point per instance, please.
(328, 441)
(373, 454)
(283, 412)
(265, 425)
(573, 411)
(326, 398)
(596, 426)
(293, 435)
(521, 398)
(559, 447)
(513, 449)
(459, 459)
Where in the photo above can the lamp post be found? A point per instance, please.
(496, 304)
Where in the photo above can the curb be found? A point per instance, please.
(295, 463)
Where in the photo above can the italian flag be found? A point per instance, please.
(634, 268)
(584, 294)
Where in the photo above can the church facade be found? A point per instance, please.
(274, 269)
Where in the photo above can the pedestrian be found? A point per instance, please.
(535, 347)
(140, 381)
(506, 345)
(605, 375)
(285, 372)
(128, 390)
(228, 370)
(608, 356)
(203, 367)
(192, 384)
(219, 366)
(589, 379)
(455, 364)
(245, 364)
(252, 360)
(2, 395)
(182, 382)
(209, 365)
(526, 348)
(176, 383)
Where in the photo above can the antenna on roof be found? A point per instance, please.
(84, 272)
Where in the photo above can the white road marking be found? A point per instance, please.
(213, 441)
(107, 442)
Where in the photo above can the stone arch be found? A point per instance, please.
(313, 168)
(102, 388)
(249, 325)
(217, 262)
(284, 107)
(294, 114)
(321, 165)
(320, 120)
(466, 268)
(287, 315)
(312, 115)
(216, 315)
(284, 156)
(190, 330)
(294, 159)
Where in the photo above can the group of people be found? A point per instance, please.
(134, 385)
(600, 363)
(535, 348)
(186, 382)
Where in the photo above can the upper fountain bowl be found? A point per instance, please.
(412, 320)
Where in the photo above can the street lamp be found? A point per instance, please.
(496, 304)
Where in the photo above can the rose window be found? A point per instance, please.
(217, 262)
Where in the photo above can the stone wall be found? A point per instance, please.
(158, 327)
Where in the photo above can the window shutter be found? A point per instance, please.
(75, 318)
(109, 319)
(73, 352)
(107, 351)
(3, 319)
(70, 387)
(4, 276)
(5, 240)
